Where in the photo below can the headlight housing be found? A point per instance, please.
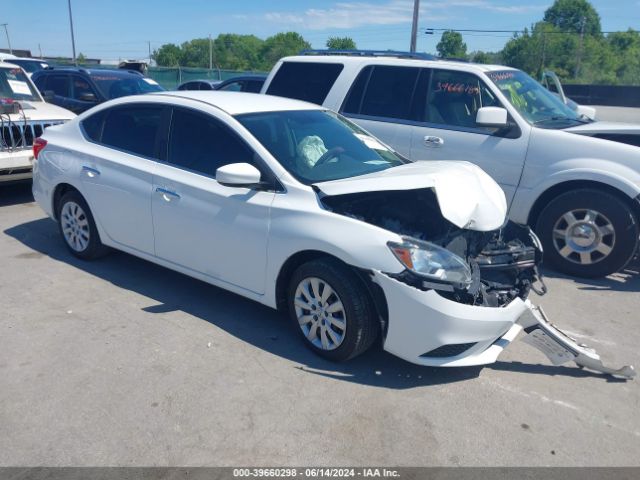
(433, 262)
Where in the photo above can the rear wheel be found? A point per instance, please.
(588, 233)
(77, 227)
(331, 309)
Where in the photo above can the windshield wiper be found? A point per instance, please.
(557, 119)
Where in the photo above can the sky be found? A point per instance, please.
(113, 29)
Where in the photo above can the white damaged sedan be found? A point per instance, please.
(293, 206)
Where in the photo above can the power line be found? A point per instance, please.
(430, 31)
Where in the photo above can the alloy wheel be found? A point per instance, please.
(320, 313)
(584, 236)
(75, 226)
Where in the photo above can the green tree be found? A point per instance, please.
(451, 45)
(569, 15)
(168, 55)
(81, 58)
(493, 58)
(625, 48)
(341, 43)
(281, 45)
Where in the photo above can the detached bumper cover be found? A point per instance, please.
(423, 324)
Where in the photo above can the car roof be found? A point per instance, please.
(257, 76)
(237, 103)
(205, 80)
(28, 59)
(89, 71)
(391, 60)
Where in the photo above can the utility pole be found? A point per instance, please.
(40, 50)
(149, 45)
(414, 25)
(6, 32)
(583, 23)
(73, 40)
(210, 53)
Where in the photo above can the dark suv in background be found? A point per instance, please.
(79, 89)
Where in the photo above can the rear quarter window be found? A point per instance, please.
(306, 81)
(92, 126)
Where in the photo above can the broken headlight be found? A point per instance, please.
(432, 262)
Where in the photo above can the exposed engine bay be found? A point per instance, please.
(504, 262)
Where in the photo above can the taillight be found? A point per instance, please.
(38, 145)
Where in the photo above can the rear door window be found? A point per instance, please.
(133, 128)
(306, 81)
(385, 91)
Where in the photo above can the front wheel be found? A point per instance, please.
(588, 233)
(331, 309)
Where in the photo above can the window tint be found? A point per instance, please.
(81, 87)
(253, 86)
(40, 81)
(455, 97)
(202, 144)
(233, 87)
(133, 128)
(92, 125)
(204, 86)
(59, 84)
(305, 80)
(353, 102)
(389, 92)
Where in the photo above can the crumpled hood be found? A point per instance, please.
(468, 197)
(605, 127)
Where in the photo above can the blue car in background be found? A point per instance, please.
(79, 89)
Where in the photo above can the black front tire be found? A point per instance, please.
(615, 210)
(94, 247)
(362, 325)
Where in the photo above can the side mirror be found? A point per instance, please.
(48, 95)
(88, 97)
(492, 117)
(585, 111)
(238, 175)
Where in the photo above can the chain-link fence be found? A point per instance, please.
(171, 77)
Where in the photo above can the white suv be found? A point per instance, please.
(23, 117)
(576, 181)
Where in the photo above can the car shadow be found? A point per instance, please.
(626, 280)
(250, 321)
(15, 193)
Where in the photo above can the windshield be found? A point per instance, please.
(15, 85)
(29, 65)
(317, 146)
(114, 86)
(534, 102)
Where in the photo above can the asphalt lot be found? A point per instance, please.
(121, 362)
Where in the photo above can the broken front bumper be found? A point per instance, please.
(428, 329)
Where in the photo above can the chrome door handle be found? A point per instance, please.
(90, 172)
(435, 142)
(167, 195)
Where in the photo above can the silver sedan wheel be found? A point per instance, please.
(321, 314)
(584, 236)
(75, 226)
